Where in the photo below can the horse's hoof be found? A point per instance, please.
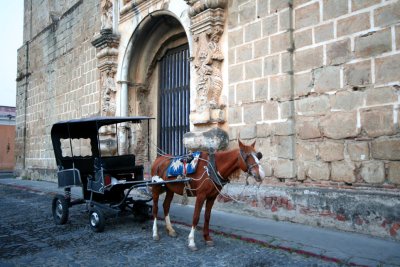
(156, 238)
(193, 248)
(210, 243)
(172, 234)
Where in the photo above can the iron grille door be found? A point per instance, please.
(174, 100)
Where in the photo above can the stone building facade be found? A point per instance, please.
(314, 82)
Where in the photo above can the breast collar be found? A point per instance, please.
(213, 173)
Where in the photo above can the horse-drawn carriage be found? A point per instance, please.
(107, 181)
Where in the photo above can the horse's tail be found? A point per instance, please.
(160, 165)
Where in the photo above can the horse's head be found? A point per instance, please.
(249, 160)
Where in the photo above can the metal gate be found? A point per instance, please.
(174, 100)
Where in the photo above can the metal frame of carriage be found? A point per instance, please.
(106, 181)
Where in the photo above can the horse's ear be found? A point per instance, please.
(254, 144)
(240, 143)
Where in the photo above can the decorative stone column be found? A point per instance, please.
(207, 26)
(106, 43)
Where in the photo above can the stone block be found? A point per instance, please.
(252, 31)
(284, 146)
(235, 37)
(308, 129)
(306, 151)
(386, 148)
(244, 52)
(284, 168)
(284, 19)
(248, 131)
(281, 42)
(360, 4)
(280, 87)
(308, 59)
(247, 12)
(387, 69)
(261, 89)
(270, 25)
(271, 110)
(252, 113)
(357, 74)
(244, 92)
(331, 150)
(326, 79)
(271, 65)
(286, 62)
(387, 15)
(353, 24)
(303, 83)
(340, 125)
(347, 100)
(233, 19)
(236, 73)
(287, 109)
(358, 150)
(264, 130)
(253, 69)
(283, 128)
(334, 9)
(303, 38)
(312, 106)
(394, 172)
(323, 32)
(373, 44)
(343, 171)
(262, 8)
(278, 5)
(317, 171)
(373, 172)
(338, 52)
(235, 114)
(397, 35)
(381, 95)
(261, 47)
(378, 121)
(307, 15)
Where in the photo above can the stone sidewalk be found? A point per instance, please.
(341, 247)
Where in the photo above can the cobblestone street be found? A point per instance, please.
(28, 236)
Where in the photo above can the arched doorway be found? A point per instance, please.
(155, 72)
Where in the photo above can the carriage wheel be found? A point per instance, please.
(60, 210)
(96, 220)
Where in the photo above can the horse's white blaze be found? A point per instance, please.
(155, 230)
(260, 168)
(168, 224)
(191, 238)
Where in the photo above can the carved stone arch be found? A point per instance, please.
(155, 34)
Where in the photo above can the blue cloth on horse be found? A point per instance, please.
(176, 166)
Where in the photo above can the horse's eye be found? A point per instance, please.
(259, 155)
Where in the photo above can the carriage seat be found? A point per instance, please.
(83, 163)
(118, 165)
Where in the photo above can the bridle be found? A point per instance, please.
(244, 156)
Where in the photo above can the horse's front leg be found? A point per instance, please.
(207, 216)
(196, 216)
(166, 205)
(156, 193)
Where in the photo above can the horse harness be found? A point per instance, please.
(244, 157)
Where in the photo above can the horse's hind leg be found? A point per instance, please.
(156, 195)
(166, 205)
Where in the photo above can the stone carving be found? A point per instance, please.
(106, 14)
(109, 90)
(207, 24)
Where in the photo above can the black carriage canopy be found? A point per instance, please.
(86, 128)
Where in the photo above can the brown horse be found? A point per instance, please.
(212, 173)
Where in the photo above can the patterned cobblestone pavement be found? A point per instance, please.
(28, 237)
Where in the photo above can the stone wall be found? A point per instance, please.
(57, 77)
(316, 82)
